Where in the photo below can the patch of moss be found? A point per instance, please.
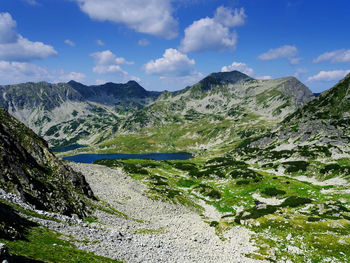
(272, 191)
(294, 201)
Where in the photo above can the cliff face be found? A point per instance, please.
(29, 169)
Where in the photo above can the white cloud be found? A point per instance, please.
(264, 77)
(151, 17)
(286, 51)
(100, 42)
(337, 56)
(300, 71)
(137, 79)
(8, 32)
(69, 42)
(329, 75)
(107, 62)
(105, 69)
(207, 34)
(174, 68)
(143, 42)
(77, 76)
(225, 17)
(24, 50)
(172, 64)
(242, 67)
(15, 72)
(15, 47)
(294, 61)
(100, 81)
(213, 33)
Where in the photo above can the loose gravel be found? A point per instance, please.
(153, 231)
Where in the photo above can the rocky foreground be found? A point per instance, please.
(147, 230)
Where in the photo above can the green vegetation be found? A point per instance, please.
(310, 211)
(272, 191)
(45, 245)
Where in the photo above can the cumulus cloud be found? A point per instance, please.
(329, 75)
(17, 72)
(337, 56)
(107, 62)
(14, 72)
(173, 63)
(143, 42)
(100, 42)
(264, 77)
(77, 76)
(213, 33)
(242, 67)
(286, 51)
(174, 68)
(206, 34)
(69, 42)
(152, 17)
(8, 32)
(229, 17)
(137, 79)
(13, 46)
(300, 71)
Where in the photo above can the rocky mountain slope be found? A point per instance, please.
(30, 170)
(221, 109)
(318, 129)
(117, 117)
(65, 112)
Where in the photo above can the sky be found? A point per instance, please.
(170, 44)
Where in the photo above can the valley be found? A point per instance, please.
(268, 181)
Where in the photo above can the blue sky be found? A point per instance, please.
(166, 44)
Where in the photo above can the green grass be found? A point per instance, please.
(47, 246)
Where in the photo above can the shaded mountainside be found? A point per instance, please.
(64, 113)
(321, 128)
(222, 108)
(29, 169)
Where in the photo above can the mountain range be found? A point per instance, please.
(210, 114)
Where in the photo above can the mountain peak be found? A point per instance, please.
(231, 76)
(223, 78)
(73, 82)
(133, 82)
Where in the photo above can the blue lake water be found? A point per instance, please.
(89, 158)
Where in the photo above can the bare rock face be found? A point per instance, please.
(29, 169)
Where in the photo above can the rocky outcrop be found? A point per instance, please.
(29, 169)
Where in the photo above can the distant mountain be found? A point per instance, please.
(220, 109)
(29, 169)
(66, 112)
(113, 93)
(319, 128)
